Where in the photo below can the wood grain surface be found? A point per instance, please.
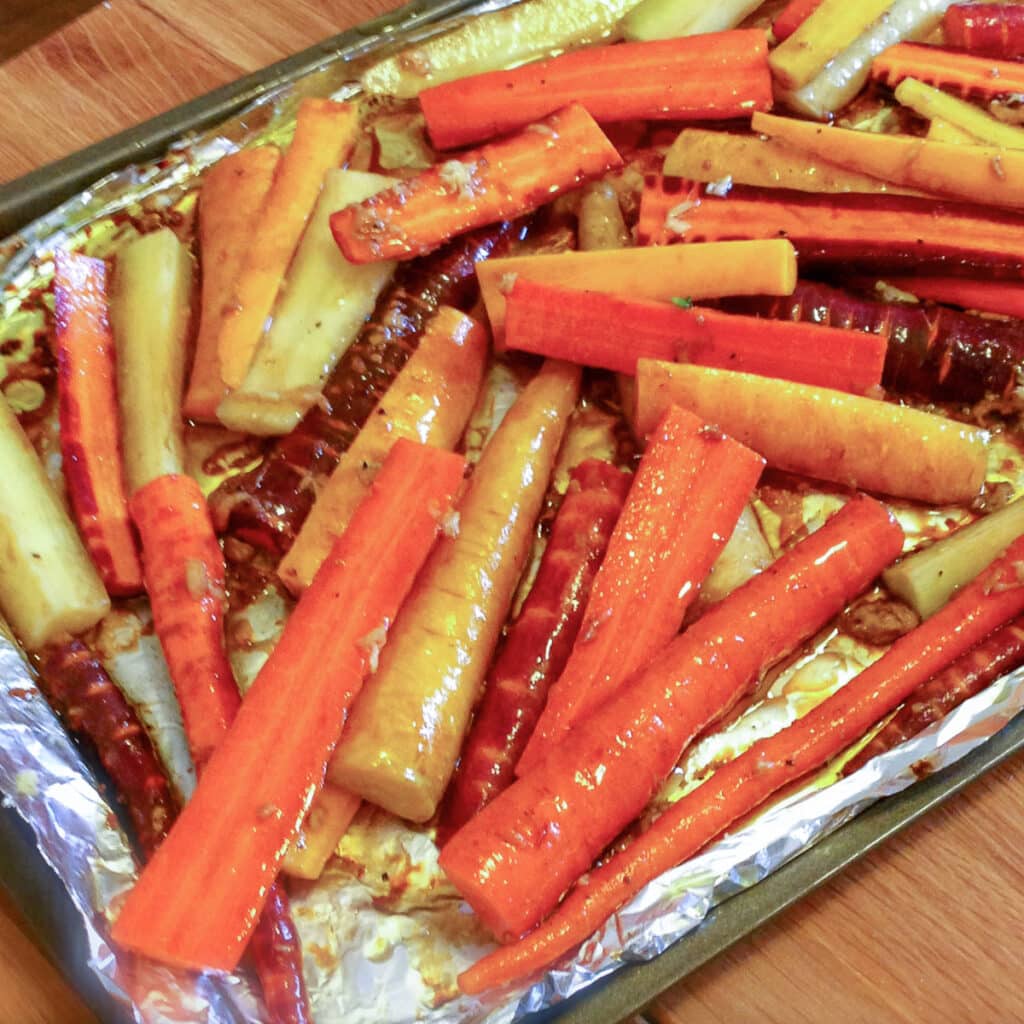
(927, 929)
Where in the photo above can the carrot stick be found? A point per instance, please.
(792, 16)
(518, 855)
(710, 77)
(228, 843)
(897, 233)
(232, 195)
(665, 205)
(981, 128)
(612, 333)
(324, 134)
(694, 272)
(986, 30)
(972, 77)
(496, 182)
(982, 173)
(1000, 653)
(853, 441)
(987, 296)
(538, 642)
(654, 567)
(76, 683)
(745, 783)
(90, 434)
(327, 820)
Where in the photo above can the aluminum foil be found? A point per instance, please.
(384, 935)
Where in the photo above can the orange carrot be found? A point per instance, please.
(745, 783)
(184, 570)
(664, 206)
(792, 16)
(520, 853)
(709, 77)
(1004, 297)
(538, 642)
(973, 77)
(228, 843)
(496, 182)
(612, 332)
(90, 433)
(689, 490)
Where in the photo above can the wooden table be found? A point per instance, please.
(927, 929)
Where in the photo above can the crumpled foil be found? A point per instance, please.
(384, 936)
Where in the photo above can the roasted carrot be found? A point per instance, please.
(1004, 297)
(184, 571)
(538, 642)
(690, 474)
(665, 206)
(326, 821)
(745, 783)
(986, 30)
(430, 402)
(90, 434)
(973, 77)
(981, 173)
(522, 851)
(228, 843)
(276, 952)
(981, 128)
(503, 179)
(232, 194)
(698, 78)
(324, 134)
(612, 332)
(853, 441)
(792, 16)
(75, 682)
(403, 739)
(695, 272)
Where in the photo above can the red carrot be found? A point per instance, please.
(792, 16)
(538, 642)
(498, 181)
(184, 569)
(980, 78)
(986, 30)
(228, 842)
(276, 952)
(90, 433)
(613, 332)
(745, 783)
(710, 77)
(1006, 297)
(520, 853)
(993, 657)
(75, 682)
(689, 490)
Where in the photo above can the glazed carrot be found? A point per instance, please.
(695, 272)
(324, 134)
(430, 402)
(520, 853)
(326, 821)
(690, 488)
(437, 658)
(501, 180)
(792, 16)
(973, 77)
(228, 843)
(538, 642)
(745, 783)
(230, 200)
(612, 332)
(276, 952)
(90, 434)
(853, 441)
(986, 296)
(75, 682)
(986, 30)
(665, 206)
(943, 131)
(698, 78)
(981, 128)
(998, 654)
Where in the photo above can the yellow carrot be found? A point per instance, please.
(430, 402)
(978, 174)
(831, 435)
(829, 30)
(403, 737)
(324, 134)
(933, 103)
(943, 131)
(232, 194)
(318, 836)
(704, 155)
(700, 271)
